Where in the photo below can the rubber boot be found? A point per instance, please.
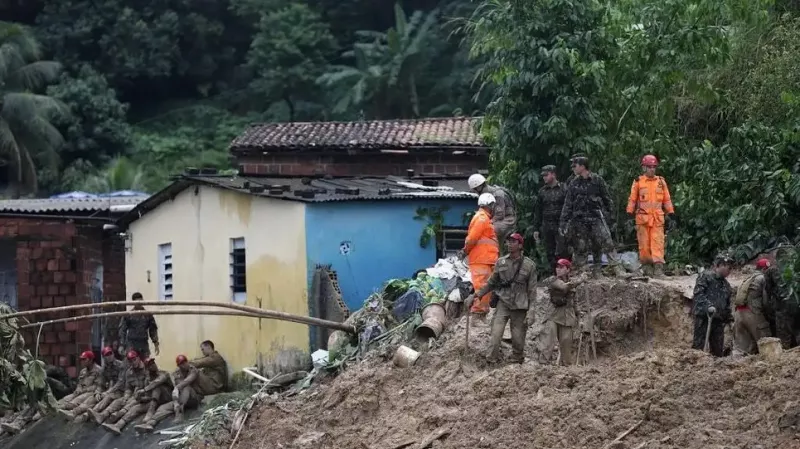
(658, 271)
(145, 427)
(151, 410)
(66, 414)
(647, 270)
(81, 419)
(115, 428)
(11, 428)
(99, 418)
(114, 417)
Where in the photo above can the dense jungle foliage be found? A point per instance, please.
(118, 94)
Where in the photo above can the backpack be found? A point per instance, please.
(741, 293)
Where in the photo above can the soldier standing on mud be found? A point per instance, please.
(712, 301)
(564, 319)
(585, 215)
(134, 330)
(514, 285)
(750, 325)
(546, 214)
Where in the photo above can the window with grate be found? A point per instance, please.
(165, 286)
(450, 240)
(238, 270)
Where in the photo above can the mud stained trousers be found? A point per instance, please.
(73, 400)
(553, 244)
(503, 315)
(651, 243)
(106, 401)
(748, 328)
(716, 339)
(480, 275)
(565, 337)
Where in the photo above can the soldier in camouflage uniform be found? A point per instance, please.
(134, 330)
(546, 215)
(111, 374)
(158, 391)
(89, 381)
(587, 210)
(213, 368)
(135, 379)
(712, 301)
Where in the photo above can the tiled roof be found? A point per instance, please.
(322, 190)
(60, 205)
(424, 134)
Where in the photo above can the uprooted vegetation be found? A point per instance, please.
(644, 377)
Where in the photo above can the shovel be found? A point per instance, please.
(707, 347)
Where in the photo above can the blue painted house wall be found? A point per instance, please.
(383, 240)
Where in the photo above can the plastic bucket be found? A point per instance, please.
(434, 310)
(430, 328)
(405, 357)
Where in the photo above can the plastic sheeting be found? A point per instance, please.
(450, 268)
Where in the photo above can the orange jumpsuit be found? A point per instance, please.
(650, 200)
(482, 252)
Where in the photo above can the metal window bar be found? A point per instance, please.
(451, 240)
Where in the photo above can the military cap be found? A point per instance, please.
(549, 169)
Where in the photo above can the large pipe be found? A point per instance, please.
(262, 313)
(140, 312)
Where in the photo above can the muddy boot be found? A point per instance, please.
(81, 419)
(145, 427)
(658, 271)
(116, 429)
(151, 410)
(178, 416)
(647, 270)
(66, 414)
(99, 418)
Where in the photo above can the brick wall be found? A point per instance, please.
(380, 164)
(113, 281)
(56, 263)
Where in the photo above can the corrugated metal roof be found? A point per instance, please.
(57, 205)
(320, 190)
(423, 134)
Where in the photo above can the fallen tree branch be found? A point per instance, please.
(255, 312)
(433, 436)
(625, 433)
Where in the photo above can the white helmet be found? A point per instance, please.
(476, 181)
(486, 199)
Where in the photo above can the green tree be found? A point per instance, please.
(28, 137)
(290, 50)
(386, 68)
(119, 174)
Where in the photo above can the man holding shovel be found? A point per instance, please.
(712, 307)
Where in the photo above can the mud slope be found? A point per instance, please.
(683, 398)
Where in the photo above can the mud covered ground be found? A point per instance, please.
(643, 374)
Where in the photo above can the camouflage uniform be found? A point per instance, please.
(214, 372)
(587, 208)
(711, 289)
(144, 402)
(89, 382)
(546, 215)
(160, 406)
(188, 397)
(779, 311)
(133, 333)
(514, 283)
(60, 385)
(504, 215)
(562, 322)
(111, 379)
(134, 380)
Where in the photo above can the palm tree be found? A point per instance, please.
(385, 66)
(27, 133)
(119, 174)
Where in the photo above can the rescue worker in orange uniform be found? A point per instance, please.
(651, 205)
(482, 250)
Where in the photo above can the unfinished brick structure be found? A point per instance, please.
(62, 258)
(448, 146)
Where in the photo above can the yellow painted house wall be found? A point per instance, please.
(199, 224)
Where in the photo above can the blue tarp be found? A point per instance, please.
(83, 195)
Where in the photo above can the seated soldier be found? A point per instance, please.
(213, 368)
(184, 395)
(135, 379)
(107, 390)
(155, 393)
(88, 381)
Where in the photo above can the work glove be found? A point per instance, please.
(175, 394)
(671, 223)
(712, 310)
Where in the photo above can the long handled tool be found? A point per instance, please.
(466, 339)
(707, 347)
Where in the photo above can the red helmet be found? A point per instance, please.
(180, 359)
(108, 350)
(132, 355)
(87, 355)
(649, 161)
(564, 263)
(762, 263)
